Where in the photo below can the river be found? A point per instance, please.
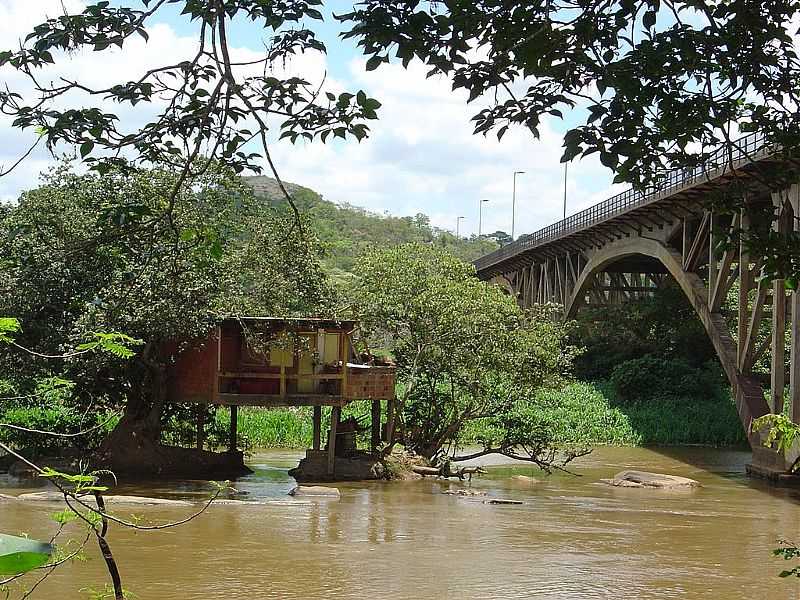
(572, 537)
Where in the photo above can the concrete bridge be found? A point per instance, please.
(635, 242)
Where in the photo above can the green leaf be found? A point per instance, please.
(20, 555)
(8, 325)
(374, 62)
(86, 148)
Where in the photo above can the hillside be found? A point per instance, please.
(345, 231)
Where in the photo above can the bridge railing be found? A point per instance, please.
(744, 150)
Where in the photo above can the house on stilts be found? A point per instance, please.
(278, 362)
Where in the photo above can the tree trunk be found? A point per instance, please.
(134, 447)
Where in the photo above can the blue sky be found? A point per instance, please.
(420, 157)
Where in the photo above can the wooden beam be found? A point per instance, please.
(391, 409)
(317, 427)
(376, 425)
(275, 401)
(201, 433)
(233, 440)
(335, 414)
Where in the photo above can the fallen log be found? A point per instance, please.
(446, 471)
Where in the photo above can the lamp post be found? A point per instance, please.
(458, 223)
(565, 189)
(480, 216)
(514, 203)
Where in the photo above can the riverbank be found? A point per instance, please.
(580, 413)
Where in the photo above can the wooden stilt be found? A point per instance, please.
(376, 425)
(201, 421)
(335, 414)
(390, 410)
(233, 442)
(317, 422)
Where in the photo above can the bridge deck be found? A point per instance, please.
(678, 185)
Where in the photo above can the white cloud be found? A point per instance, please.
(420, 157)
(423, 157)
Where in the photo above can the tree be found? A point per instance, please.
(465, 352)
(652, 85)
(68, 273)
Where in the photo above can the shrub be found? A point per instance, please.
(652, 378)
(56, 418)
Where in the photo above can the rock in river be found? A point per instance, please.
(524, 479)
(314, 490)
(644, 479)
(132, 500)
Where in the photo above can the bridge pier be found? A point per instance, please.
(627, 247)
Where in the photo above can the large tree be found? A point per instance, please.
(465, 352)
(68, 272)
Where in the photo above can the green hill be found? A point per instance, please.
(345, 231)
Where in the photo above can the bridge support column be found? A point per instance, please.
(794, 359)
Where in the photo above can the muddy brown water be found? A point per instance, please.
(572, 537)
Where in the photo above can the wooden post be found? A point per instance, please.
(335, 414)
(390, 410)
(283, 382)
(317, 421)
(201, 420)
(376, 425)
(233, 442)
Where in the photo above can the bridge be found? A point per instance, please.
(638, 241)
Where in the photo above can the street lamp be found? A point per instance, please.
(480, 216)
(565, 189)
(458, 223)
(514, 203)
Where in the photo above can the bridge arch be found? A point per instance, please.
(748, 392)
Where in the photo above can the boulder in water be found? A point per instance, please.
(645, 479)
(129, 500)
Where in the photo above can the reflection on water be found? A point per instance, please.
(573, 538)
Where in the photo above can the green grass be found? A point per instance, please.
(586, 413)
(279, 428)
(289, 428)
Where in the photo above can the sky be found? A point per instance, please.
(421, 155)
